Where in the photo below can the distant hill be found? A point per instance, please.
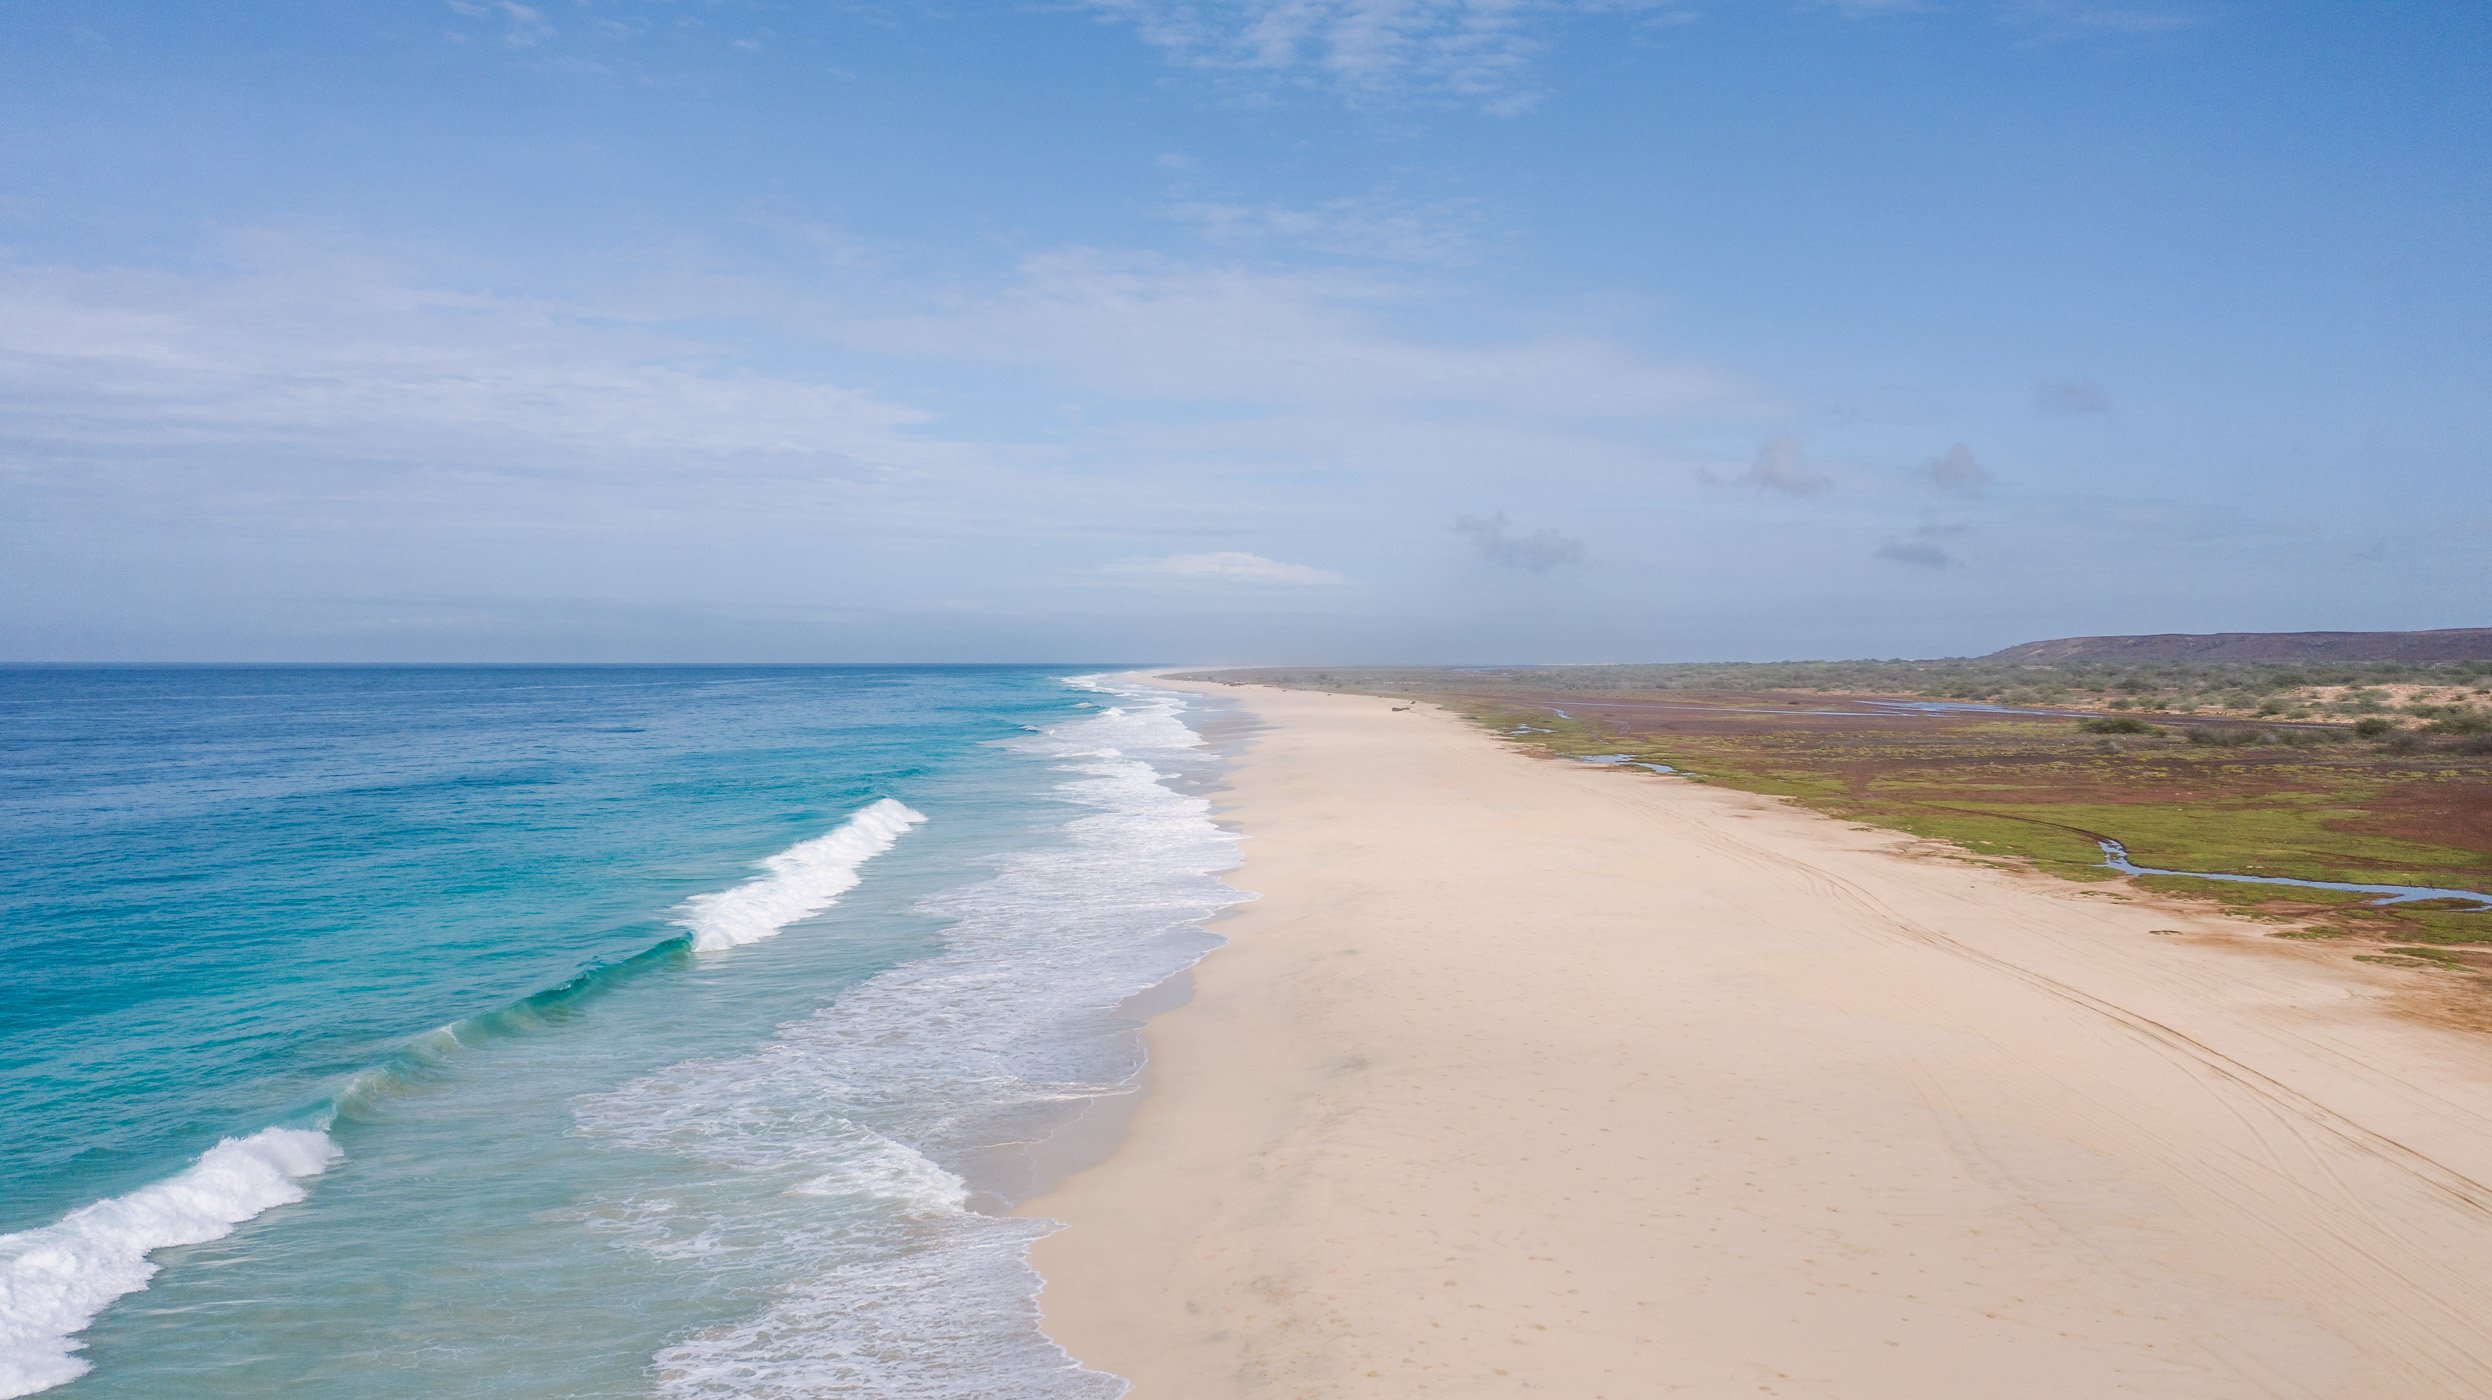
(2447, 644)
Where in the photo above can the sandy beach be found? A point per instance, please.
(1526, 1077)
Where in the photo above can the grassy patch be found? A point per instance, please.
(2440, 958)
(2313, 801)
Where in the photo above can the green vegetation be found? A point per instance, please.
(2117, 724)
(2446, 700)
(2416, 957)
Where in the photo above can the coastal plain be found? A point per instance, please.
(1523, 1076)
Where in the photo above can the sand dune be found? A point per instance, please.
(1529, 1078)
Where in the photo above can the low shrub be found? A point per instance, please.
(2229, 736)
(2372, 728)
(2457, 721)
(2117, 724)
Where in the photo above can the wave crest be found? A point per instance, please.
(54, 1280)
(803, 880)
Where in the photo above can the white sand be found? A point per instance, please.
(1525, 1077)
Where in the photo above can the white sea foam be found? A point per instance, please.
(828, 1156)
(893, 1173)
(54, 1280)
(803, 880)
(951, 1319)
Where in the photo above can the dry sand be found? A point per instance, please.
(1526, 1077)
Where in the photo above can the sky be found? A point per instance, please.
(1236, 330)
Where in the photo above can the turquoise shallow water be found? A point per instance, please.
(562, 1032)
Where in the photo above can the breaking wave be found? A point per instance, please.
(54, 1280)
(804, 880)
(838, 1156)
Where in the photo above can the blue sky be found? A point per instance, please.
(1236, 329)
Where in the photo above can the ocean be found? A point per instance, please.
(516, 1032)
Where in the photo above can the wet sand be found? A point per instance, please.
(1526, 1077)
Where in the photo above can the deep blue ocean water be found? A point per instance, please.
(581, 1032)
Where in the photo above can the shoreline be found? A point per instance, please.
(1004, 1177)
(1524, 1077)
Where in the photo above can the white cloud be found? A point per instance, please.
(314, 390)
(1781, 466)
(674, 418)
(1473, 50)
(1957, 470)
(1089, 399)
(303, 346)
(1230, 566)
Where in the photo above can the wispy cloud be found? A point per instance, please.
(1956, 470)
(2054, 20)
(298, 343)
(1495, 540)
(1923, 550)
(330, 389)
(1164, 329)
(2468, 536)
(1782, 466)
(520, 26)
(1486, 53)
(2076, 397)
(1476, 51)
(288, 373)
(1870, 9)
(1368, 227)
(1918, 554)
(1230, 566)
